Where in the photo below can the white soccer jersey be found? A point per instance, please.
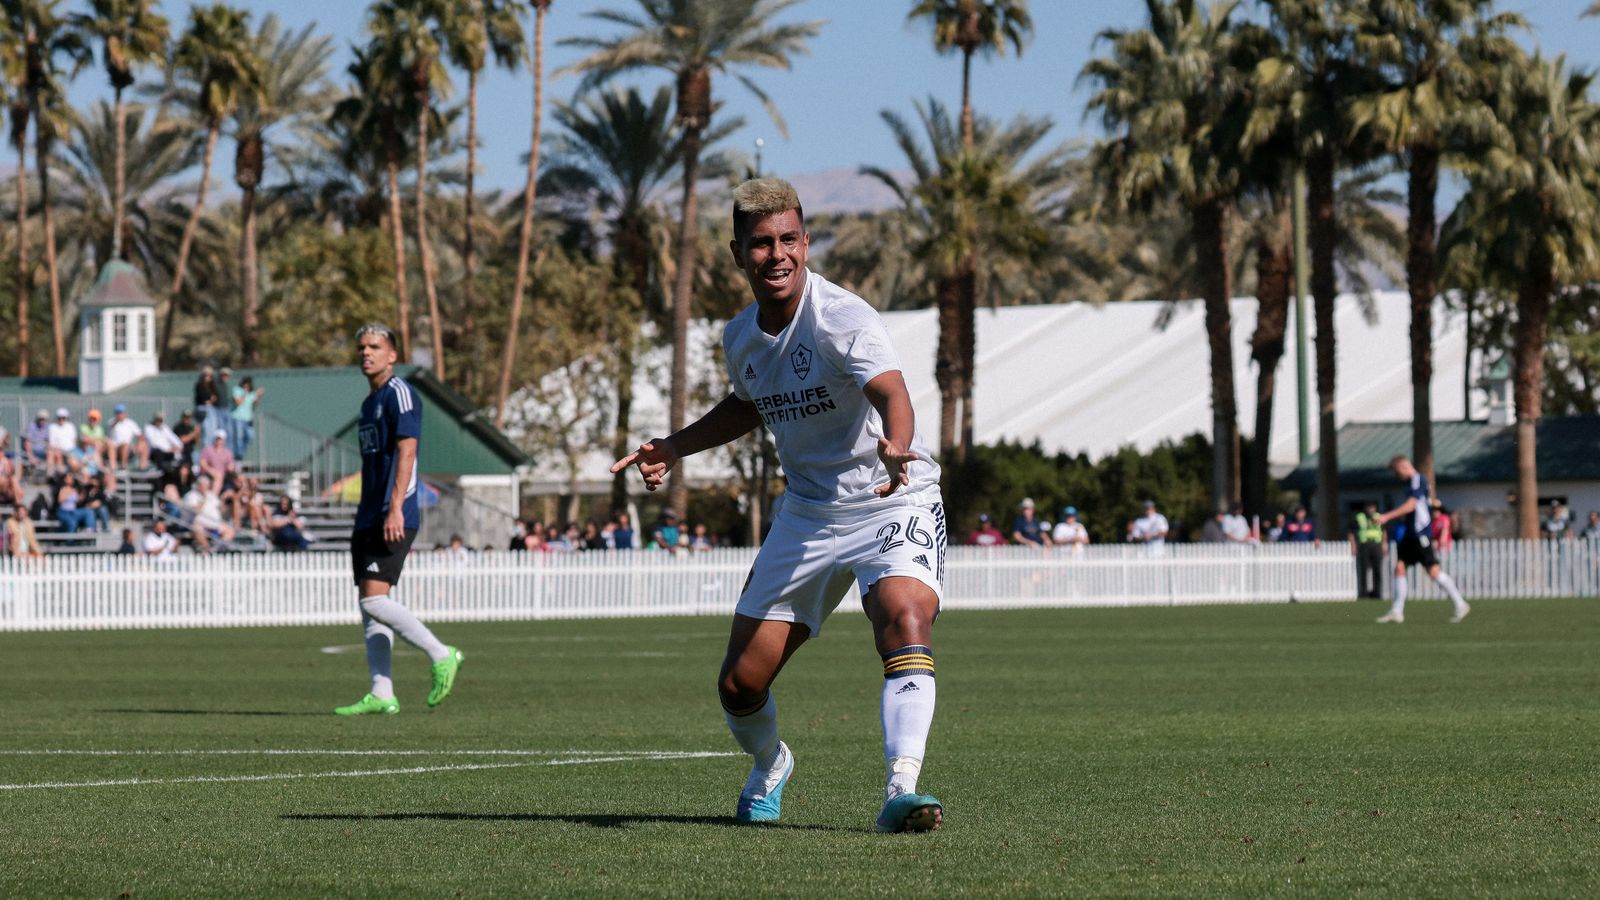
(806, 383)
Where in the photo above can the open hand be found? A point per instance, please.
(654, 458)
(895, 459)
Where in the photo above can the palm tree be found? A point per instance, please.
(1531, 220)
(970, 26)
(1433, 54)
(53, 39)
(292, 88)
(132, 34)
(691, 39)
(13, 67)
(530, 190)
(986, 205)
(407, 32)
(1175, 97)
(213, 65)
(477, 30)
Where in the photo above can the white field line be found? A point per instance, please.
(666, 754)
(365, 773)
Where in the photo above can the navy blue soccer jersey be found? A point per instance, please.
(390, 413)
(1417, 522)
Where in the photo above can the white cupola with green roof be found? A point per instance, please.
(116, 331)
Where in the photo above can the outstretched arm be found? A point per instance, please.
(888, 395)
(1403, 509)
(729, 420)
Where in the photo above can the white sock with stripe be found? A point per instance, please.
(380, 644)
(1398, 607)
(909, 694)
(405, 623)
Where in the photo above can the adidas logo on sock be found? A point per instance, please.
(921, 559)
(910, 686)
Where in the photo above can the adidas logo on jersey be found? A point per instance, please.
(921, 559)
(372, 567)
(910, 686)
(749, 372)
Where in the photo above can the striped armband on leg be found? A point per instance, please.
(913, 660)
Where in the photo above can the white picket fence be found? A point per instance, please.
(85, 592)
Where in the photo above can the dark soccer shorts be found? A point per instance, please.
(1417, 550)
(375, 559)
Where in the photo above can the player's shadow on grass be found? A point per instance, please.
(598, 820)
(207, 712)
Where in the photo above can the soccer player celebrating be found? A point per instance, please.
(386, 523)
(1413, 546)
(814, 364)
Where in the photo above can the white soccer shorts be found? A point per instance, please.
(807, 562)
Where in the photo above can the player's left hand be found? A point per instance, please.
(394, 526)
(895, 459)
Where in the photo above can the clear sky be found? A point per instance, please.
(866, 59)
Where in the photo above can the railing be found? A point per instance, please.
(316, 588)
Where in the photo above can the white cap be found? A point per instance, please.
(1027, 503)
(219, 433)
(61, 412)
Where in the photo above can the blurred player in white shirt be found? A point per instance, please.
(814, 364)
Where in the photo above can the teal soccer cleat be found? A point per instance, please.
(911, 812)
(762, 797)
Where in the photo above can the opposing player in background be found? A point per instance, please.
(1414, 546)
(814, 364)
(386, 523)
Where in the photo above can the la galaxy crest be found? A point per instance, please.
(801, 360)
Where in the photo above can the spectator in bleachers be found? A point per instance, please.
(207, 406)
(699, 539)
(1235, 527)
(92, 497)
(986, 535)
(205, 505)
(158, 542)
(593, 539)
(87, 459)
(126, 439)
(1275, 530)
(1025, 529)
(457, 548)
(35, 441)
(69, 510)
(95, 432)
(287, 528)
(555, 541)
(1151, 528)
(1300, 529)
(62, 440)
(533, 541)
(216, 459)
(21, 538)
(10, 482)
(667, 534)
(622, 533)
(252, 506)
(162, 442)
(244, 400)
(1069, 531)
(1591, 529)
(173, 484)
(189, 433)
(127, 548)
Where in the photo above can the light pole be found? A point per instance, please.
(759, 144)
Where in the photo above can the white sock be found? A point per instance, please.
(909, 692)
(756, 731)
(405, 623)
(1398, 607)
(380, 641)
(1449, 585)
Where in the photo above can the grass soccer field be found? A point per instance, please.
(1270, 750)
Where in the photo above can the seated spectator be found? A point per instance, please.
(699, 539)
(593, 539)
(162, 443)
(69, 512)
(158, 542)
(126, 440)
(21, 538)
(287, 528)
(1300, 529)
(216, 459)
(667, 534)
(92, 497)
(62, 440)
(1027, 530)
(555, 541)
(95, 432)
(985, 535)
(127, 548)
(622, 532)
(189, 433)
(10, 483)
(1070, 531)
(173, 483)
(35, 441)
(205, 505)
(252, 505)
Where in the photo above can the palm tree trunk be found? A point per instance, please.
(519, 283)
(968, 349)
(249, 278)
(620, 444)
(1209, 221)
(1533, 309)
(469, 250)
(24, 280)
(41, 156)
(119, 178)
(682, 296)
(424, 249)
(1423, 184)
(398, 236)
(1324, 234)
(181, 267)
(633, 260)
(1274, 284)
(947, 360)
(966, 101)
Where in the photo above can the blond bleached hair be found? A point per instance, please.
(760, 197)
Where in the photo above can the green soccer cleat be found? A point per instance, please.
(368, 705)
(444, 675)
